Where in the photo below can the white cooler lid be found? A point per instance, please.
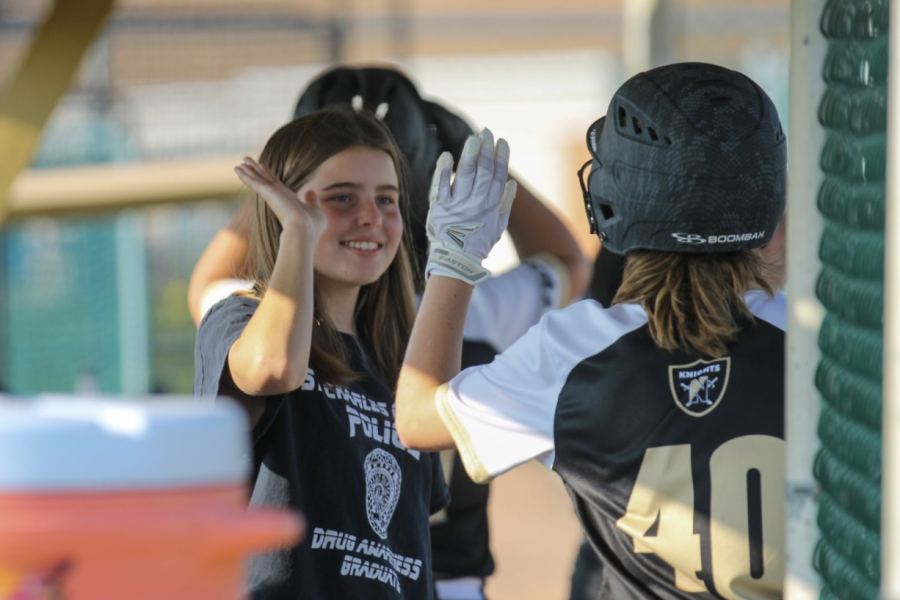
(75, 443)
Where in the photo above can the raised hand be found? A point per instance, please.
(302, 214)
(468, 217)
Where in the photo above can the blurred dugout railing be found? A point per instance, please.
(97, 300)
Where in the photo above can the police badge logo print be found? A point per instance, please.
(698, 387)
(383, 479)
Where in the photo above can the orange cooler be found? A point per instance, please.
(128, 500)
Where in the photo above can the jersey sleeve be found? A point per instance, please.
(501, 415)
(503, 308)
(220, 328)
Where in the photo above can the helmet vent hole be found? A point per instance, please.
(779, 135)
(720, 100)
(623, 118)
(606, 210)
(638, 129)
(653, 134)
(667, 140)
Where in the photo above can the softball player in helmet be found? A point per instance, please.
(662, 414)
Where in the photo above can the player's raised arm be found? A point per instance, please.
(223, 259)
(271, 355)
(537, 231)
(464, 222)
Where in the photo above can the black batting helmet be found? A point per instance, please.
(421, 128)
(690, 157)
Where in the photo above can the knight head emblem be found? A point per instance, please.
(698, 387)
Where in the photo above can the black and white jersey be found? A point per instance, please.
(333, 453)
(675, 464)
(502, 310)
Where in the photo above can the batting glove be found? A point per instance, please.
(466, 219)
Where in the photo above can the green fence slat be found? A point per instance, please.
(858, 252)
(856, 348)
(856, 62)
(860, 111)
(859, 159)
(851, 393)
(840, 576)
(858, 544)
(855, 19)
(854, 206)
(860, 301)
(853, 491)
(852, 442)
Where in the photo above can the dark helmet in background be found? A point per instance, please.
(690, 157)
(422, 129)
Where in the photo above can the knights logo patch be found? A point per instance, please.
(699, 387)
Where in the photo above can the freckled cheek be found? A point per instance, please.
(393, 227)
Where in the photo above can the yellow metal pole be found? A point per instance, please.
(109, 187)
(41, 80)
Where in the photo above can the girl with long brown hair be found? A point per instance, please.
(313, 351)
(664, 413)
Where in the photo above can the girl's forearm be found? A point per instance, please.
(272, 354)
(224, 258)
(432, 359)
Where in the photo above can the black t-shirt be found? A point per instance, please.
(333, 453)
(675, 464)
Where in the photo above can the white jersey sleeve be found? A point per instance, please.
(220, 289)
(504, 307)
(502, 414)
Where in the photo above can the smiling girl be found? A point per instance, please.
(313, 352)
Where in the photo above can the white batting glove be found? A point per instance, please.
(466, 219)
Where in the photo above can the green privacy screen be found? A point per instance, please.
(59, 311)
(851, 287)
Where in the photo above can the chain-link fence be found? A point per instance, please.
(99, 302)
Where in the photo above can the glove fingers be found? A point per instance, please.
(487, 138)
(501, 170)
(440, 180)
(485, 175)
(468, 165)
(509, 194)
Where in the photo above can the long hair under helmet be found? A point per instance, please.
(690, 157)
(422, 129)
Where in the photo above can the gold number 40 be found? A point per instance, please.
(664, 492)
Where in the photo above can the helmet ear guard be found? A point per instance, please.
(588, 202)
(598, 210)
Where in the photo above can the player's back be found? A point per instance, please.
(676, 463)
